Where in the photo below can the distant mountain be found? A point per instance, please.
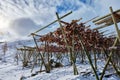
(19, 43)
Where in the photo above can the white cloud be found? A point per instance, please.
(16, 16)
(103, 6)
(23, 26)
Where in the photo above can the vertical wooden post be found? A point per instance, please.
(115, 23)
(64, 36)
(63, 33)
(95, 59)
(25, 61)
(73, 55)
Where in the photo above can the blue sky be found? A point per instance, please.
(18, 18)
(67, 5)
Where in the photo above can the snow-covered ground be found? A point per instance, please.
(9, 70)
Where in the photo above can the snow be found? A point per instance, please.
(14, 72)
(9, 70)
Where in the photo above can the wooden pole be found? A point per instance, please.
(40, 53)
(115, 23)
(90, 61)
(110, 33)
(73, 55)
(103, 31)
(63, 33)
(90, 20)
(108, 60)
(115, 42)
(64, 36)
(53, 22)
(105, 16)
(95, 59)
(103, 26)
(114, 66)
(106, 20)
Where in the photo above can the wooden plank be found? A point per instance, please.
(115, 23)
(105, 16)
(103, 26)
(103, 21)
(103, 31)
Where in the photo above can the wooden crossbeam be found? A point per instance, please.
(22, 49)
(52, 22)
(115, 23)
(105, 16)
(29, 47)
(109, 23)
(103, 26)
(110, 33)
(90, 20)
(109, 19)
(103, 31)
(36, 34)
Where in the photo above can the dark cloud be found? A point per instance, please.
(23, 26)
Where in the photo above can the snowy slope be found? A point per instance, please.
(9, 70)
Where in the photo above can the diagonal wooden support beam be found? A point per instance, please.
(108, 60)
(115, 42)
(114, 65)
(52, 22)
(38, 53)
(87, 54)
(115, 23)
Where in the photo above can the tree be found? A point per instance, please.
(4, 48)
